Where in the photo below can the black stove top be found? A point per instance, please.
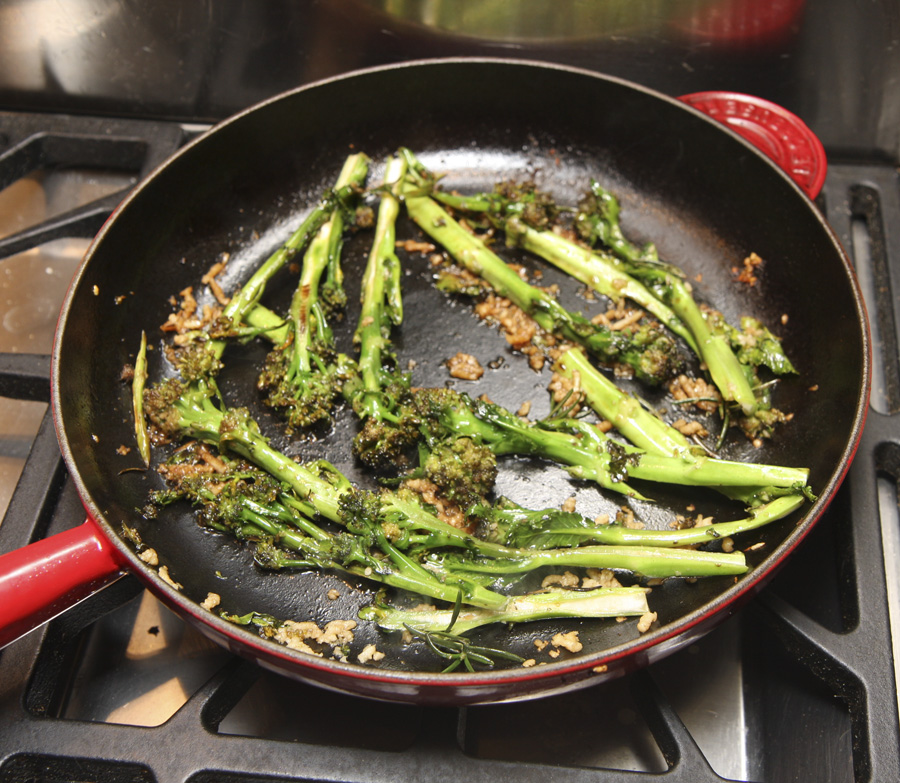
(799, 686)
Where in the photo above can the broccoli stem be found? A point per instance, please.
(269, 325)
(649, 433)
(139, 381)
(726, 371)
(253, 289)
(317, 549)
(597, 271)
(303, 374)
(589, 455)
(702, 471)
(641, 427)
(381, 296)
(519, 528)
(306, 313)
(600, 602)
(728, 374)
(246, 300)
(194, 414)
(648, 562)
(653, 359)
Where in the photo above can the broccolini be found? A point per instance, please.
(303, 375)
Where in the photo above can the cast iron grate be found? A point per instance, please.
(819, 691)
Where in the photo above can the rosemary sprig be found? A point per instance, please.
(459, 650)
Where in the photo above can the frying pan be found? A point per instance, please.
(702, 194)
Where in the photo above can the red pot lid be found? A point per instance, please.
(780, 134)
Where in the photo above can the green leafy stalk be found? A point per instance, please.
(650, 353)
(252, 290)
(252, 505)
(624, 411)
(585, 451)
(656, 562)
(304, 374)
(391, 519)
(598, 602)
(652, 435)
(380, 389)
(202, 358)
(596, 270)
(515, 527)
(382, 306)
(137, 396)
(598, 219)
(307, 311)
(192, 412)
(527, 215)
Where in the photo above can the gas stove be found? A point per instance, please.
(800, 685)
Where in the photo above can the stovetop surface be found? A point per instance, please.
(800, 685)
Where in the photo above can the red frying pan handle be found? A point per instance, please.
(773, 130)
(47, 577)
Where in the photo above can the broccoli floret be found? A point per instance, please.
(463, 470)
(658, 356)
(597, 220)
(303, 376)
(384, 445)
(389, 425)
(305, 398)
(754, 344)
(536, 208)
(195, 360)
(159, 402)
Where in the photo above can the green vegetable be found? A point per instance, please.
(304, 374)
(599, 602)
(652, 435)
(527, 215)
(598, 220)
(650, 353)
(624, 411)
(201, 356)
(193, 412)
(511, 525)
(137, 396)
(586, 452)
(596, 270)
(380, 388)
